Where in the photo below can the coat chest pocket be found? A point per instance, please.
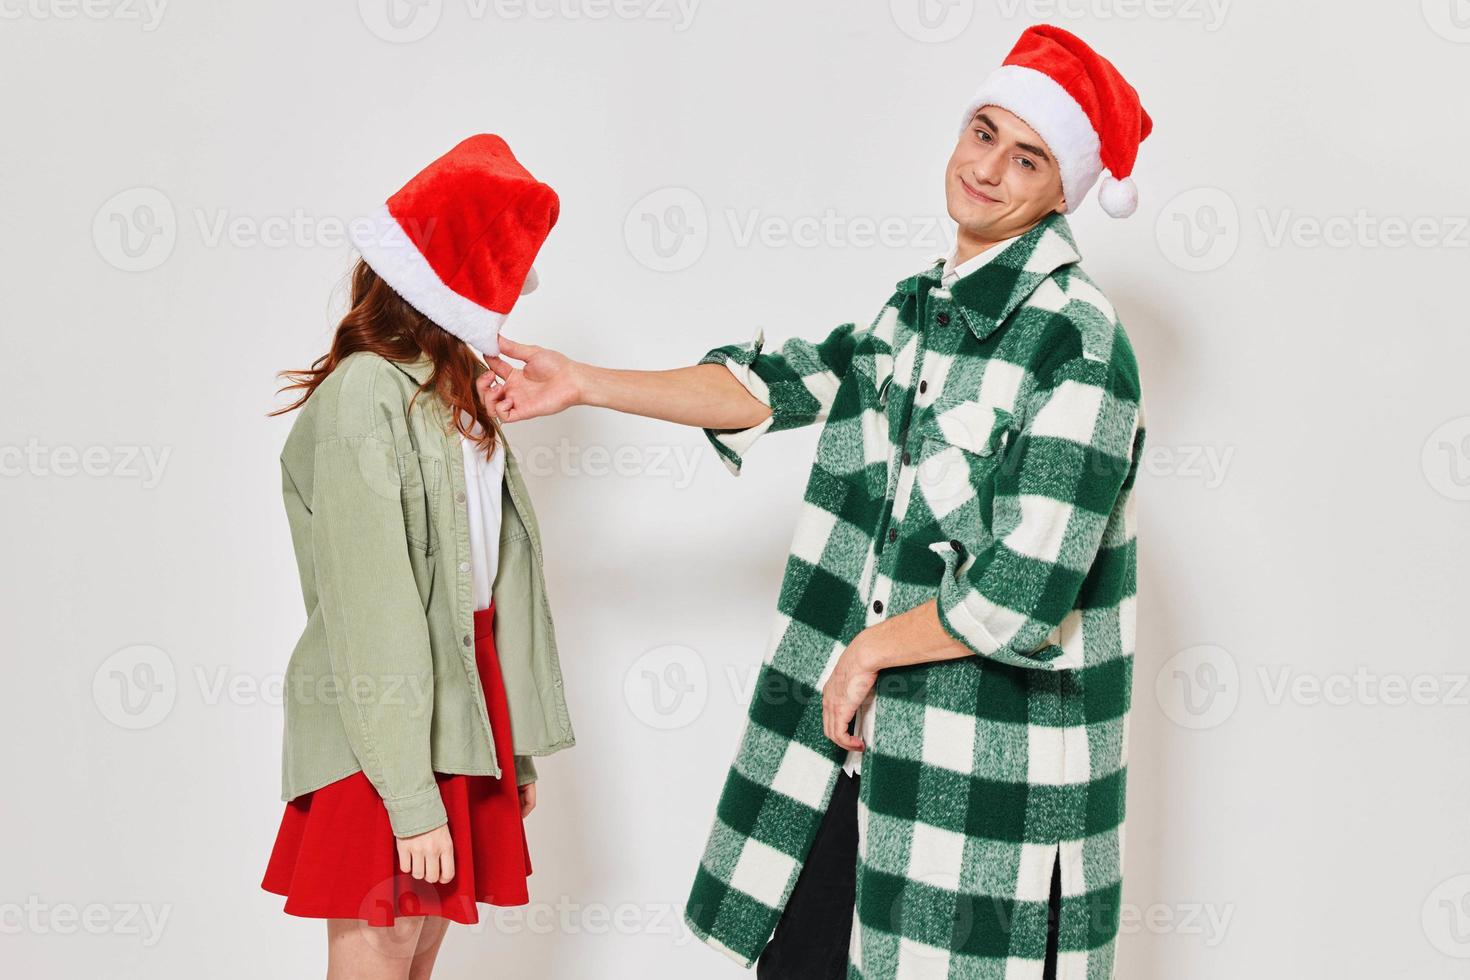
(872, 361)
(959, 450)
(419, 480)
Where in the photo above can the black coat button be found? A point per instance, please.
(943, 319)
(878, 606)
(893, 534)
(923, 387)
(906, 459)
(957, 546)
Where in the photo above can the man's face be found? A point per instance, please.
(1002, 178)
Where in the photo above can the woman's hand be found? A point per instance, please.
(849, 684)
(528, 798)
(429, 856)
(546, 384)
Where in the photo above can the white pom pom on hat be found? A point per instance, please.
(1118, 198)
(1080, 104)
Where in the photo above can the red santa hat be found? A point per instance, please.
(457, 241)
(1074, 98)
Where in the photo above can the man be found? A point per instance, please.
(931, 779)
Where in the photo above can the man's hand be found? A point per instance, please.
(428, 856)
(544, 385)
(849, 684)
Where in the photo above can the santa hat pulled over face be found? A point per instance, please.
(457, 241)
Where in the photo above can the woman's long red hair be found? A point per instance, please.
(381, 321)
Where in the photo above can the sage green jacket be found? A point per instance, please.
(383, 679)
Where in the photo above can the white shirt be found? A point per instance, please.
(482, 483)
(952, 274)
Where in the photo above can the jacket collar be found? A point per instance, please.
(421, 368)
(992, 292)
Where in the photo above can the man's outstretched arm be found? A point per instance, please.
(736, 393)
(705, 395)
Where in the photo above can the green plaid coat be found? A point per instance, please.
(980, 445)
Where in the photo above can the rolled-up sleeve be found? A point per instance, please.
(1055, 517)
(799, 384)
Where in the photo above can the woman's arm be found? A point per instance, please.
(376, 634)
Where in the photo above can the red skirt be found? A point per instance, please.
(335, 856)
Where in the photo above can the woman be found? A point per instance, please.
(427, 675)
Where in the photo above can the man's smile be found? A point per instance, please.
(976, 194)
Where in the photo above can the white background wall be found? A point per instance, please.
(1298, 792)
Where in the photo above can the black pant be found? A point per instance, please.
(811, 939)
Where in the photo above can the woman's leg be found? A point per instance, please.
(430, 939)
(358, 951)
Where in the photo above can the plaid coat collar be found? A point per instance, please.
(991, 293)
(986, 297)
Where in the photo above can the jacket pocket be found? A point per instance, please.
(959, 450)
(419, 479)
